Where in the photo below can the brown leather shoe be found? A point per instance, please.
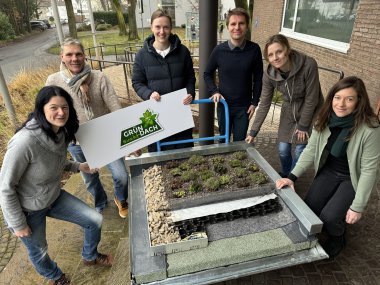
(101, 260)
(122, 207)
(63, 280)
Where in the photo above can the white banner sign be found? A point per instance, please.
(119, 133)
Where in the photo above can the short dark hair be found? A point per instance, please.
(160, 13)
(280, 39)
(363, 113)
(237, 12)
(42, 98)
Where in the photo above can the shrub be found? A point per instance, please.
(172, 164)
(252, 167)
(103, 27)
(258, 178)
(84, 27)
(184, 166)
(195, 187)
(217, 159)
(220, 168)
(236, 163)
(108, 17)
(179, 194)
(225, 179)
(241, 155)
(206, 174)
(189, 175)
(196, 160)
(212, 184)
(176, 172)
(6, 30)
(241, 172)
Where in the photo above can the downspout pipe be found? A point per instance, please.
(208, 23)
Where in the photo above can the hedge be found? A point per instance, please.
(108, 17)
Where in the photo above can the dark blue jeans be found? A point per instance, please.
(239, 121)
(92, 181)
(287, 160)
(66, 208)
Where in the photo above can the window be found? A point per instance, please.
(169, 7)
(327, 23)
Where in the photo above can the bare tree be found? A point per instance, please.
(132, 34)
(245, 5)
(104, 4)
(120, 18)
(71, 19)
(194, 5)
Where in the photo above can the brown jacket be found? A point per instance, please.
(301, 95)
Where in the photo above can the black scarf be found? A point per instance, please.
(339, 147)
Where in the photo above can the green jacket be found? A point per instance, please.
(363, 154)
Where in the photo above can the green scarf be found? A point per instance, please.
(339, 147)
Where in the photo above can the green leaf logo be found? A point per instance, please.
(148, 126)
(148, 119)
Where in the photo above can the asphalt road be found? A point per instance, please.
(29, 53)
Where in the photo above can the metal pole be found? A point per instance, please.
(57, 20)
(208, 19)
(7, 99)
(93, 28)
(141, 15)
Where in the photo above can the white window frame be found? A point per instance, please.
(318, 41)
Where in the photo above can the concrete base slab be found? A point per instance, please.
(232, 251)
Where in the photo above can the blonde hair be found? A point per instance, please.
(72, 41)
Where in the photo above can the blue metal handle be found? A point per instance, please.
(225, 136)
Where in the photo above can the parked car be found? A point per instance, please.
(38, 25)
(47, 23)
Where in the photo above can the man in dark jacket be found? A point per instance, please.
(162, 66)
(240, 71)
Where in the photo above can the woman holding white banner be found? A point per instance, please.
(162, 66)
(30, 184)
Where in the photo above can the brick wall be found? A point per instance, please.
(362, 59)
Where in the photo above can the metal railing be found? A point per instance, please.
(129, 54)
(225, 137)
(100, 64)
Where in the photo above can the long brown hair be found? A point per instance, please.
(363, 113)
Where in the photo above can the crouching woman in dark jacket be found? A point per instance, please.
(162, 66)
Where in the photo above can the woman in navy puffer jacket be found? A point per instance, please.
(162, 66)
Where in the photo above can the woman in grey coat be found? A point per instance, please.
(30, 183)
(295, 77)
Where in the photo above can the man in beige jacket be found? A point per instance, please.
(93, 96)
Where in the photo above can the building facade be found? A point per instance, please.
(340, 34)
